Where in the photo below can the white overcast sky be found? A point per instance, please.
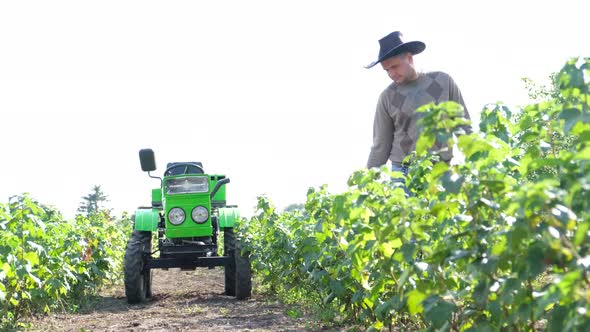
(271, 93)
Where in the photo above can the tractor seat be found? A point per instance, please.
(180, 169)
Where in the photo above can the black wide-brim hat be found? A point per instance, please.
(392, 45)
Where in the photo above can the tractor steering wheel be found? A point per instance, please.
(185, 165)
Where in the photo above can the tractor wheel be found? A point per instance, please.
(138, 282)
(229, 245)
(243, 274)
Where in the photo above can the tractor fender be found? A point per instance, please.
(228, 217)
(147, 219)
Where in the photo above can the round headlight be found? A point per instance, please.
(176, 216)
(200, 214)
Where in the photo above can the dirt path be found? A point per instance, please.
(182, 301)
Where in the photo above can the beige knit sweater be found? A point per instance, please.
(394, 127)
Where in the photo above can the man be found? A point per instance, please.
(394, 128)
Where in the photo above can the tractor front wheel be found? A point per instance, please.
(238, 273)
(243, 273)
(138, 280)
(229, 246)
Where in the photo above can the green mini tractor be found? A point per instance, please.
(188, 214)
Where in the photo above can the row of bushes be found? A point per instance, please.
(497, 242)
(49, 263)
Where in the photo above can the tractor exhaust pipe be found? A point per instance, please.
(218, 185)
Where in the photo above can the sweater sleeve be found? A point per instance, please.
(382, 135)
(455, 95)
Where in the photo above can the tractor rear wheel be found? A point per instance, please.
(243, 274)
(138, 281)
(229, 246)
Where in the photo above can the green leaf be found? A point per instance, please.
(337, 287)
(499, 247)
(482, 327)
(582, 233)
(383, 310)
(32, 258)
(408, 250)
(294, 313)
(415, 298)
(370, 244)
(470, 145)
(424, 143)
(480, 293)
(438, 169)
(7, 269)
(35, 279)
(489, 265)
(557, 319)
(516, 237)
(396, 243)
(494, 185)
(438, 311)
(535, 260)
(571, 117)
(452, 182)
(403, 279)
(376, 327)
(36, 247)
(459, 254)
(496, 312)
(387, 248)
(583, 155)
(567, 283)
(563, 214)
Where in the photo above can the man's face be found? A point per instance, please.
(400, 68)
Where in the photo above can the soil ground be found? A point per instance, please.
(182, 301)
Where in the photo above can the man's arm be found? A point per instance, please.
(455, 95)
(382, 136)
